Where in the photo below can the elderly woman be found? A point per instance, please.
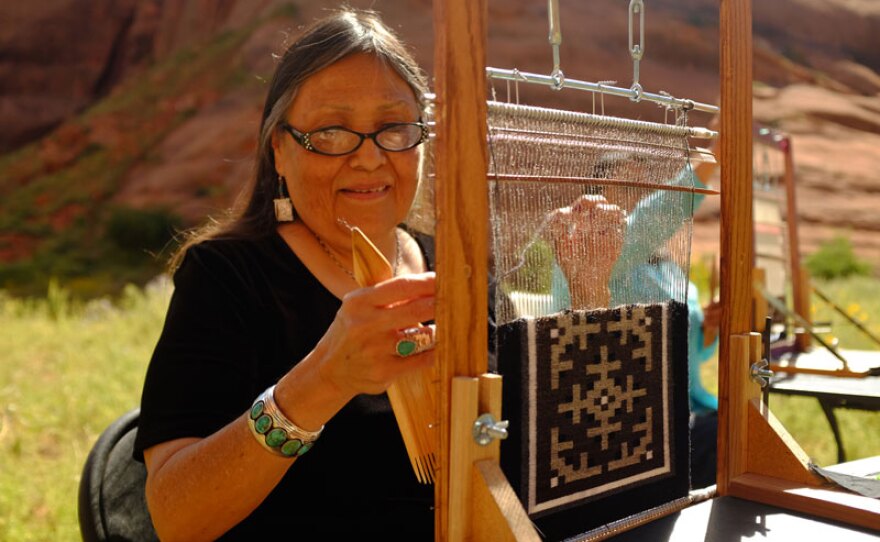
(269, 343)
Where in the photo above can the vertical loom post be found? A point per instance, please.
(736, 228)
(482, 505)
(802, 292)
(800, 285)
(462, 213)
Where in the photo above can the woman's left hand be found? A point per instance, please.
(587, 238)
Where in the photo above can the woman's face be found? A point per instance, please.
(369, 188)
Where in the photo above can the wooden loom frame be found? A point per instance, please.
(756, 458)
(799, 276)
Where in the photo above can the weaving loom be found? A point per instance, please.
(772, 251)
(475, 500)
(596, 395)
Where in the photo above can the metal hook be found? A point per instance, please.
(558, 79)
(517, 77)
(637, 91)
(636, 50)
(666, 107)
(602, 95)
(555, 39)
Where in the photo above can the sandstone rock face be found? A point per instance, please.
(816, 68)
(210, 154)
(186, 23)
(61, 55)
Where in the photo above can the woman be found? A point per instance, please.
(266, 301)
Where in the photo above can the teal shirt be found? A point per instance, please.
(635, 279)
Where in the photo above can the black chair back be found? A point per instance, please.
(112, 503)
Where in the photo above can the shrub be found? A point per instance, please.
(836, 259)
(139, 230)
(534, 272)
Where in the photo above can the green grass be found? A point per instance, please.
(859, 297)
(69, 369)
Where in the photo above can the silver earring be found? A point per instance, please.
(283, 205)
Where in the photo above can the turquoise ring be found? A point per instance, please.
(415, 340)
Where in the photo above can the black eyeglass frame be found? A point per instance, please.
(304, 138)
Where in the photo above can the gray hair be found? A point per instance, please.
(325, 42)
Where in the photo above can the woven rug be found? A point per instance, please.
(599, 422)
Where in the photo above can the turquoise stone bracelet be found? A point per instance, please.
(275, 432)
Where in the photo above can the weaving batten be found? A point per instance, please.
(412, 395)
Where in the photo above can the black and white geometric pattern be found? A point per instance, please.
(599, 412)
(600, 415)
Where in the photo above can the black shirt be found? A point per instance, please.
(243, 313)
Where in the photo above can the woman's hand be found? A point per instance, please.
(587, 238)
(358, 352)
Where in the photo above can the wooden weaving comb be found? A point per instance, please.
(412, 395)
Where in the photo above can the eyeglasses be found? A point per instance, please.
(338, 140)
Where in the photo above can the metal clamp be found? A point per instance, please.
(487, 428)
(759, 372)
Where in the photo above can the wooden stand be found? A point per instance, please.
(473, 499)
(482, 505)
(799, 277)
(756, 458)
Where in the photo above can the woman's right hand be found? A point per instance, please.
(587, 238)
(358, 352)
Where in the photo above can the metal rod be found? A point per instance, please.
(559, 115)
(637, 520)
(799, 320)
(662, 99)
(572, 141)
(839, 310)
